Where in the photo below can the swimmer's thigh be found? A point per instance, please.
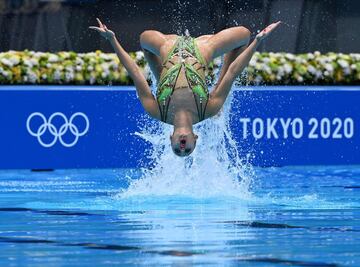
(152, 41)
(227, 40)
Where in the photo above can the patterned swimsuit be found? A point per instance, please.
(185, 47)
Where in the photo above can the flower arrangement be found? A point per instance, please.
(99, 68)
(305, 69)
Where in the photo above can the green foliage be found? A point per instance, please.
(97, 68)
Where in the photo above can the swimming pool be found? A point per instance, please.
(297, 216)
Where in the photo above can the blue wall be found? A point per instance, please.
(284, 126)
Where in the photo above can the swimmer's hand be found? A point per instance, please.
(103, 30)
(267, 31)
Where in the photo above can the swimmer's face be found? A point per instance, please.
(183, 143)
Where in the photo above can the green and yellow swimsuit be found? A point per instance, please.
(184, 47)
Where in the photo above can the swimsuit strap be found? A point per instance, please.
(166, 89)
(199, 89)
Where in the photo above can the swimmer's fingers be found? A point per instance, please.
(100, 23)
(269, 29)
(96, 29)
(272, 27)
(107, 34)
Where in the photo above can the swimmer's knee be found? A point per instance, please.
(245, 33)
(151, 40)
(145, 35)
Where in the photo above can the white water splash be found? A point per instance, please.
(214, 169)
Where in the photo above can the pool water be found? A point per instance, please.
(291, 216)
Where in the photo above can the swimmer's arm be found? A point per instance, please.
(143, 90)
(218, 96)
(228, 59)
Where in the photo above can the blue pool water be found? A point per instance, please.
(290, 216)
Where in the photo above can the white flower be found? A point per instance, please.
(356, 56)
(104, 74)
(139, 55)
(288, 68)
(311, 69)
(32, 77)
(90, 68)
(345, 66)
(252, 62)
(57, 75)
(78, 68)
(38, 54)
(53, 58)
(7, 62)
(343, 63)
(92, 78)
(290, 56)
(48, 65)
(34, 61)
(310, 56)
(300, 79)
(105, 56)
(69, 68)
(79, 61)
(258, 79)
(114, 66)
(332, 57)
(281, 71)
(329, 67)
(267, 69)
(105, 66)
(44, 76)
(69, 76)
(317, 53)
(318, 74)
(15, 60)
(347, 71)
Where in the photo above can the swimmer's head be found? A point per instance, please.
(183, 141)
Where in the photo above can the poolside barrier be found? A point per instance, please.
(52, 127)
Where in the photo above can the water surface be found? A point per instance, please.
(292, 216)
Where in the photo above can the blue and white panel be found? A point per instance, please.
(93, 127)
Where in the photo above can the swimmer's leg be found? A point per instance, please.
(151, 43)
(218, 96)
(223, 42)
(228, 59)
(154, 62)
(231, 42)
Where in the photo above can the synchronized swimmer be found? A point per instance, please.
(179, 65)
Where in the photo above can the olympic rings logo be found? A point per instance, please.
(57, 133)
